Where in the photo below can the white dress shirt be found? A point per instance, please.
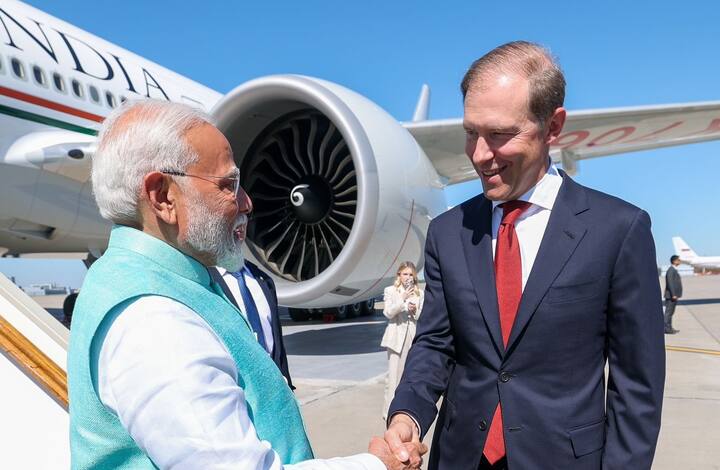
(263, 307)
(173, 385)
(530, 226)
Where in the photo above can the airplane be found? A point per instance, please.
(342, 190)
(688, 256)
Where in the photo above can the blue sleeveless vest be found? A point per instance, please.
(135, 265)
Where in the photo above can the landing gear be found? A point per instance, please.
(299, 314)
(342, 312)
(368, 307)
(355, 310)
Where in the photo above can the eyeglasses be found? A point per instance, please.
(230, 184)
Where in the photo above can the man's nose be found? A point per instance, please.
(481, 152)
(245, 204)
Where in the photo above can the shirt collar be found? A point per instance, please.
(544, 193)
(243, 270)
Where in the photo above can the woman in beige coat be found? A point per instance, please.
(403, 304)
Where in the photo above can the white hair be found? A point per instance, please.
(135, 139)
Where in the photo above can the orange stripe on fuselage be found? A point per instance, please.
(18, 95)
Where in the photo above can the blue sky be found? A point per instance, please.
(613, 54)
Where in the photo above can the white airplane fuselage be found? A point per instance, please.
(688, 256)
(57, 83)
(706, 262)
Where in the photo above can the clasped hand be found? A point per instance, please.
(401, 449)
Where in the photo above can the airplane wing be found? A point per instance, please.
(587, 134)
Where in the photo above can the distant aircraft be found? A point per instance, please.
(688, 256)
(342, 190)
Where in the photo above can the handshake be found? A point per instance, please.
(401, 448)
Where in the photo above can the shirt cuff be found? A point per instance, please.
(370, 462)
(417, 424)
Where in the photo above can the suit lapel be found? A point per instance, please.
(562, 236)
(477, 244)
(215, 274)
(274, 316)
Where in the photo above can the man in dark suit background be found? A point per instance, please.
(673, 291)
(253, 292)
(531, 288)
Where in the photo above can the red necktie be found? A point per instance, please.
(508, 282)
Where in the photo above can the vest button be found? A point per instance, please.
(504, 377)
(482, 425)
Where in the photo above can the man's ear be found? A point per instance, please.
(160, 198)
(554, 125)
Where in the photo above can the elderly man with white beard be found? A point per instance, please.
(163, 371)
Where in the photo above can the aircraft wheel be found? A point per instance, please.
(341, 312)
(355, 310)
(299, 314)
(368, 307)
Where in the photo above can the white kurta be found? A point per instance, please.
(173, 384)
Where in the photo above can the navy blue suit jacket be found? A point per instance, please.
(592, 296)
(267, 285)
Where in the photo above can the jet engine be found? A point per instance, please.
(342, 193)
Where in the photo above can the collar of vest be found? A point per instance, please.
(159, 252)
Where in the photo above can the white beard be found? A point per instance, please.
(209, 233)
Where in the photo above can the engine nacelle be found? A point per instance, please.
(342, 192)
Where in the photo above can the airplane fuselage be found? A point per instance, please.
(57, 84)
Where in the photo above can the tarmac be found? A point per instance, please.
(339, 371)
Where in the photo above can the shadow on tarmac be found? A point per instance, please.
(56, 312)
(699, 302)
(345, 339)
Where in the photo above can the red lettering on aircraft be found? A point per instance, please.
(713, 127)
(623, 132)
(575, 138)
(652, 134)
(617, 135)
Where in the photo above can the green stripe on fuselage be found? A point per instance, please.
(28, 116)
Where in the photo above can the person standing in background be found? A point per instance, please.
(673, 291)
(403, 304)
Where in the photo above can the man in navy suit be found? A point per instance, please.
(253, 292)
(532, 287)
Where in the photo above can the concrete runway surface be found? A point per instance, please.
(339, 371)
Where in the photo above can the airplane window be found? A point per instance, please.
(59, 82)
(18, 68)
(39, 75)
(2, 67)
(110, 99)
(77, 89)
(94, 95)
(122, 99)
